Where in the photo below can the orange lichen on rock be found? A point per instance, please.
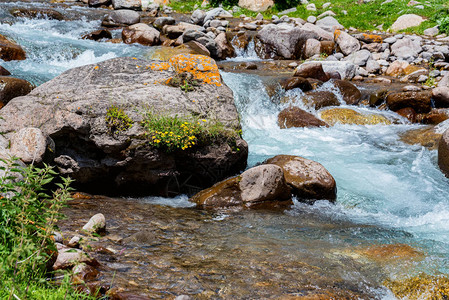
(203, 68)
(162, 66)
(337, 33)
(372, 38)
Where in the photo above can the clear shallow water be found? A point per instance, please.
(388, 193)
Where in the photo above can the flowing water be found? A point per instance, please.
(389, 193)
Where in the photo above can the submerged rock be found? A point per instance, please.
(351, 94)
(37, 13)
(296, 117)
(349, 116)
(259, 186)
(426, 137)
(308, 179)
(121, 158)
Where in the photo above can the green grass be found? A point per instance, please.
(28, 214)
(117, 120)
(364, 16)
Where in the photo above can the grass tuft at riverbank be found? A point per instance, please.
(27, 222)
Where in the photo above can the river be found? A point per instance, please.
(389, 193)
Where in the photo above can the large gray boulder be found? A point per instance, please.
(127, 4)
(329, 24)
(72, 109)
(121, 17)
(282, 41)
(406, 21)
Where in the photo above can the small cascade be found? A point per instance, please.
(247, 53)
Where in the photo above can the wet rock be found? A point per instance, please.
(320, 99)
(68, 257)
(443, 153)
(124, 295)
(408, 113)
(261, 185)
(4, 72)
(351, 94)
(296, 117)
(419, 101)
(256, 5)
(127, 4)
(426, 137)
(121, 17)
(297, 82)
(436, 116)
(308, 179)
(311, 70)
(141, 33)
(30, 145)
(10, 50)
(225, 48)
(98, 35)
(37, 13)
(333, 116)
(98, 3)
(406, 21)
(282, 41)
(11, 87)
(392, 252)
(83, 273)
(159, 23)
(96, 224)
(440, 96)
(125, 161)
(347, 43)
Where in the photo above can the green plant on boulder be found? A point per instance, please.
(117, 120)
(172, 133)
(185, 81)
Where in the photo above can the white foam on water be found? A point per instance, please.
(381, 181)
